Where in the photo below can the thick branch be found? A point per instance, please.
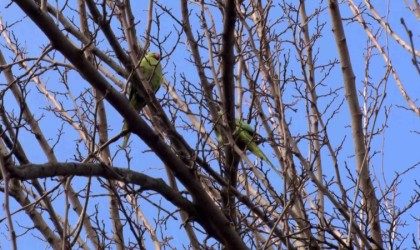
(35, 171)
(366, 184)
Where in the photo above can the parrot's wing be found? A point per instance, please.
(245, 126)
(219, 137)
(246, 140)
(152, 71)
(157, 78)
(134, 98)
(255, 149)
(146, 68)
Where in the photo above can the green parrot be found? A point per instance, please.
(152, 71)
(246, 137)
(246, 140)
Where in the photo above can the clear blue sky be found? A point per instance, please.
(397, 147)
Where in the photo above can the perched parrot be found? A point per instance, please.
(152, 71)
(246, 140)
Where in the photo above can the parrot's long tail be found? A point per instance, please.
(126, 137)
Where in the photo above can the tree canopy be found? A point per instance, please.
(328, 90)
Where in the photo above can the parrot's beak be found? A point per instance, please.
(157, 56)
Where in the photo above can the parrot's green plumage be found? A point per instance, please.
(151, 70)
(246, 137)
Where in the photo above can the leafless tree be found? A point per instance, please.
(320, 82)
